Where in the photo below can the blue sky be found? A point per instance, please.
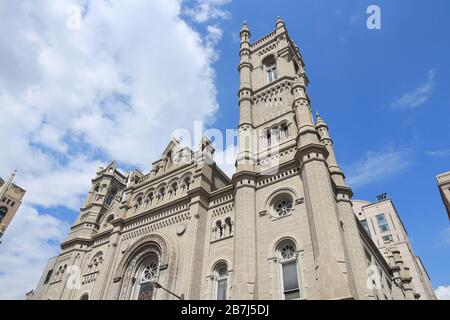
(109, 90)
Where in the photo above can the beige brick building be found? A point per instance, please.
(11, 197)
(383, 223)
(443, 181)
(282, 228)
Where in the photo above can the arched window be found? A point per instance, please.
(173, 189)
(147, 273)
(149, 198)
(229, 225)
(219, 229)
(111, 196)
(220, 281)
(85, 297)
(270, 68)
(284, 130)
(269, 136)
(276, 131)
(161, 193)
(287, 260)
(3, 212)
(138, 202)
(187, 183)
(96, 262)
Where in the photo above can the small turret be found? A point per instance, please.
(245, 33)
(280, 23)
(322, 128)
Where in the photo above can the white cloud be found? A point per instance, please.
(439, 153)
(71, 100)
(205, 10)
(418, 96)
(214, 34)
(30, 240)
(443, 292)
(445, 237)
(376, 166)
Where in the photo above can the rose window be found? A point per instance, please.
(283, 207)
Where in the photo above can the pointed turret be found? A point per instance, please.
(245, 33)
(280, 23)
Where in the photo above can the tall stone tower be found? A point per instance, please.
(277, 134)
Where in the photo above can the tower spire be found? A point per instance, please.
(245, 32)
(280, 26)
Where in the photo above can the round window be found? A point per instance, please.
(283, 207)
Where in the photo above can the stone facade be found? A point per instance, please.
(383, 223)
(11, 197)
(443, 181)
(282, 228)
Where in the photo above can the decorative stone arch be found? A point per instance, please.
(272, 259)
(275, 243)
(223, 258)
(150, 244)
(107, 218)
(214, 263)
(136, 198)
(94, 191)
(84, 296)
(274, 195)
(189, 176)
(172, 182)
(147, 198)
(265, 60)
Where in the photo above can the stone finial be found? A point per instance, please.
(280, 23)
(319, 120)
(245, 33)
(244, 27)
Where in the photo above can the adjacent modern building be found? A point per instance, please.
(443, 181)
(11, 197)
(384, 225)
(282, 227)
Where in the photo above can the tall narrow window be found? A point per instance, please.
(382, 222)
(269, 137)
(287, 258)
(148, 272)
(221, 281)
(48, 276)
(366, 226)
(272, 74)
(284, 130)
(3, 212)
(219, 229)
(229, 225)
(111, 196)
(270, 67)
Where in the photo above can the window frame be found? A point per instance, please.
(5, 213)
(145, 262)
(217, 279)
(271, 72)
(383, 224)
(295, 260)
